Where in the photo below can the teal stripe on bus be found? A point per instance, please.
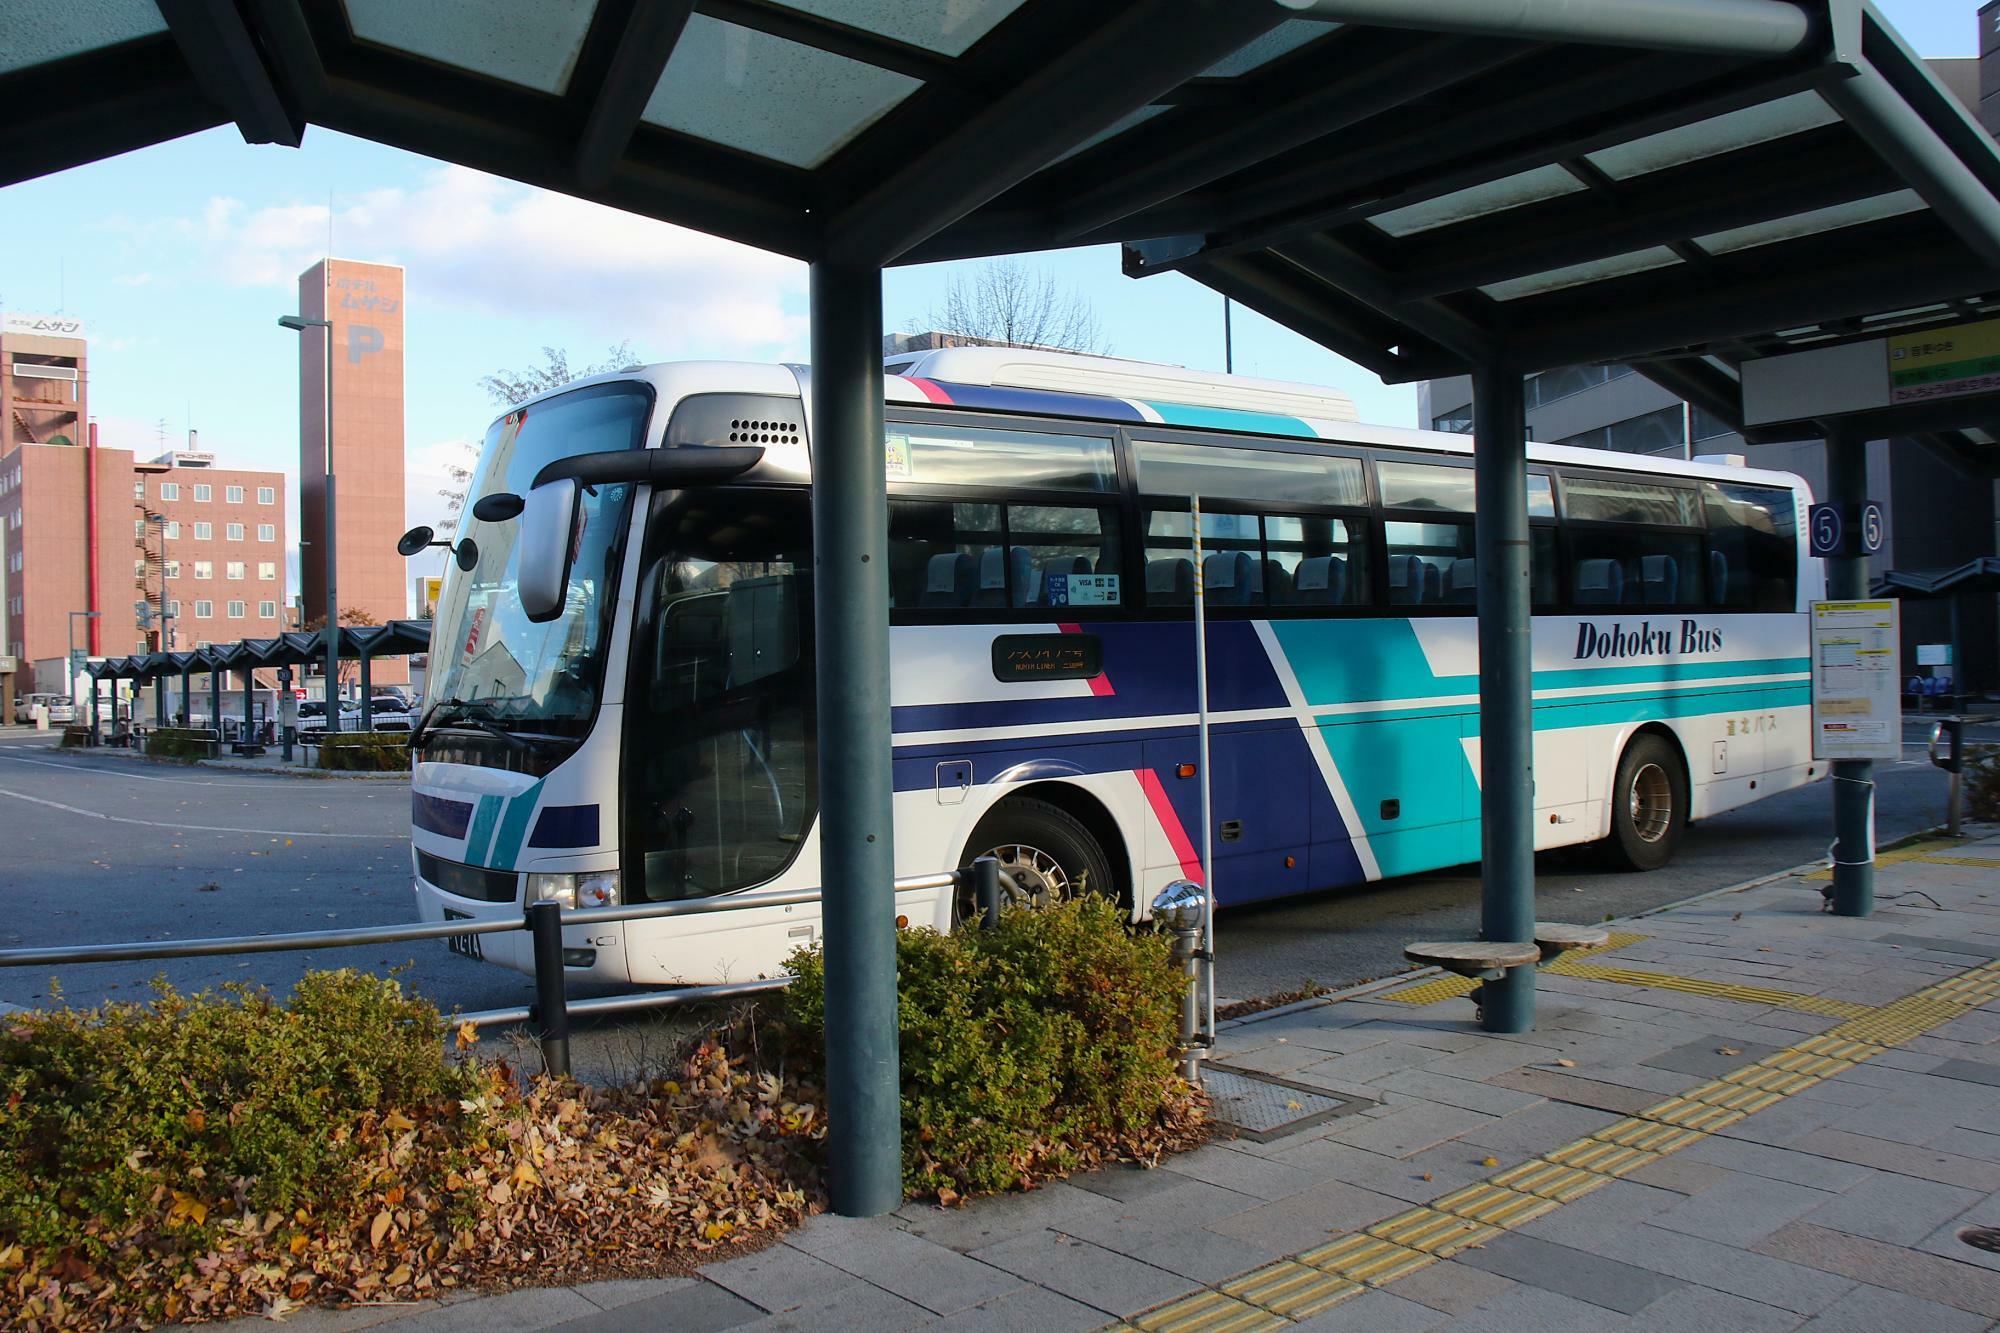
(480, 835)
(507, 842)
(1552, 714)
(1224, 418)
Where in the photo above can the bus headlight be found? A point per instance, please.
(597, 888)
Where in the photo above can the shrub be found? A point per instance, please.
(202, 1157)
(179, 743)
(1982, 785)
(1039, 1048)
(366, 752)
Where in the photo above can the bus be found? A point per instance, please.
(620, 706)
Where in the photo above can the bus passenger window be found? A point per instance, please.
(1636, 567)
(1232, 559)
(1752, 547)
(1314, 561)
(1431, 564)
(1063, 556)
(936, 551)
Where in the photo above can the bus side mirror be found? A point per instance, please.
(548, 544)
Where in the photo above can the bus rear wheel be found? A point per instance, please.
(1649, 803)
(1046, 856)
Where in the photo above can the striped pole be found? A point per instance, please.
(1207, 790)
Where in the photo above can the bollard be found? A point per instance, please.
(1179, 908)
(551, 1013)
(986, 891)
(1951, 730)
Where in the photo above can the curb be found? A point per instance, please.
(226, 766)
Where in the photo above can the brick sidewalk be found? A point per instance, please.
(1743, 1115)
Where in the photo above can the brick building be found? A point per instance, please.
(211, 542)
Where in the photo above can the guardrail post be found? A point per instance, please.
(986, 891)
(551, 1005)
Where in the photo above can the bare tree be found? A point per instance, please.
(1007, 303)
(508, 387)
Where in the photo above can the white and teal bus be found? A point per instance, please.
(621, 691)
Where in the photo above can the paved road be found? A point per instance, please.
(95, 848)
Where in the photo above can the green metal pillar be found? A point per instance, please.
(367, 688)
(1853, 779)
(215, 701)
(187, 696)
(1506, 688)
(857, 861)
(160, 700)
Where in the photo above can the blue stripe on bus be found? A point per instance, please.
(1226, 418)
(436, 814)
(566, 826)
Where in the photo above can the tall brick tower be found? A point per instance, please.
(365, 303)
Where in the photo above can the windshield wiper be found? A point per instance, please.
(462, 713)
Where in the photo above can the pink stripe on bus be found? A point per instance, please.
(1170, 820)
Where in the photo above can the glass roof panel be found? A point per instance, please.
(1281, 40)
(1811, 223)
(1575, 275)
(530, 42)
(1527, 187)
(769, 96)
(38, 31)
(1718, 134)
(948, 27)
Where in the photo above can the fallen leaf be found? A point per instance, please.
(378, 1228)
(396, 1122)
(1425, 1176)
(1728, 1050)
(1489, 1161)
(1565, 1064)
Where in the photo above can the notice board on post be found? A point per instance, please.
(1857, 691)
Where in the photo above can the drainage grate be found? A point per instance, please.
(1261, 1107)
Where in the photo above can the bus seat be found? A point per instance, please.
(1225, 578)
(1433, 584)
(1659, 580)
(950, 581)
(1464, 581)
(992, 579)
(1718, 578)
(1026, 579)
(1170, 582)
(1406, 580)
(1059, 564)
(1599, 583)
(1312, 581)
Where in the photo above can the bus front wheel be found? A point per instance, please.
(1649, 803)
(1046, 855)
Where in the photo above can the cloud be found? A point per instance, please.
(487, 246)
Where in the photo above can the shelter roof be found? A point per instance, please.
(393, 639)
(1684, 184)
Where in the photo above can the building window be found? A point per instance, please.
(203, 610)
(138, 529)
(233, 494)
(236, 610)
(173, 526)
(204, 532)
(267, 610)
(267, 569)
(267, 495)
(204, 569)
(1662, 433)
(234, 532)
(170, 490)
(174, 608)
(173, 569)
(1456, 423)
(203, 492)
(234, 569)
(267, 532)
(139, 489)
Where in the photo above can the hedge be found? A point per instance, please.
(180, 743)
(365, 751)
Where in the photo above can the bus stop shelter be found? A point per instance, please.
(1427, 187)
(356, 643)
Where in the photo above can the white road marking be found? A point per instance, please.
(96, 771)
(201, 828)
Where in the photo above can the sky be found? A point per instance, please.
(181, 257)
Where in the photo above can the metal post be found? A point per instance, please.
(95, 683)
(367, 705)
(215, 704)
(1506, 688)
(1201, 764)
(857, 855)
(160, 699)
(986, 891)
(249, 709)
(286, 711)
(1853, 779)
(551, 1006)
(1187, 953)
(187, 696)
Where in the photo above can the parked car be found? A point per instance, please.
(62, 710)
(389, 712)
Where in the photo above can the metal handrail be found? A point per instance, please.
(544, 922)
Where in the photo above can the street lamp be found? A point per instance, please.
(299, 324)
(87, 615)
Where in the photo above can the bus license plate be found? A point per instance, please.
(466, 946)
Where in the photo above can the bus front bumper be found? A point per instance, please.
(590, 953)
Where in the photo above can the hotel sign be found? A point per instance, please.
(47, 326)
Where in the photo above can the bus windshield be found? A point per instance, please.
(489, 663)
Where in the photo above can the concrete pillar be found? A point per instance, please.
(1853, 779)
(857, 861)
(1506, 689)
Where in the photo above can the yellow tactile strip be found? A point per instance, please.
(1452, 988)
(1292, 1290)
